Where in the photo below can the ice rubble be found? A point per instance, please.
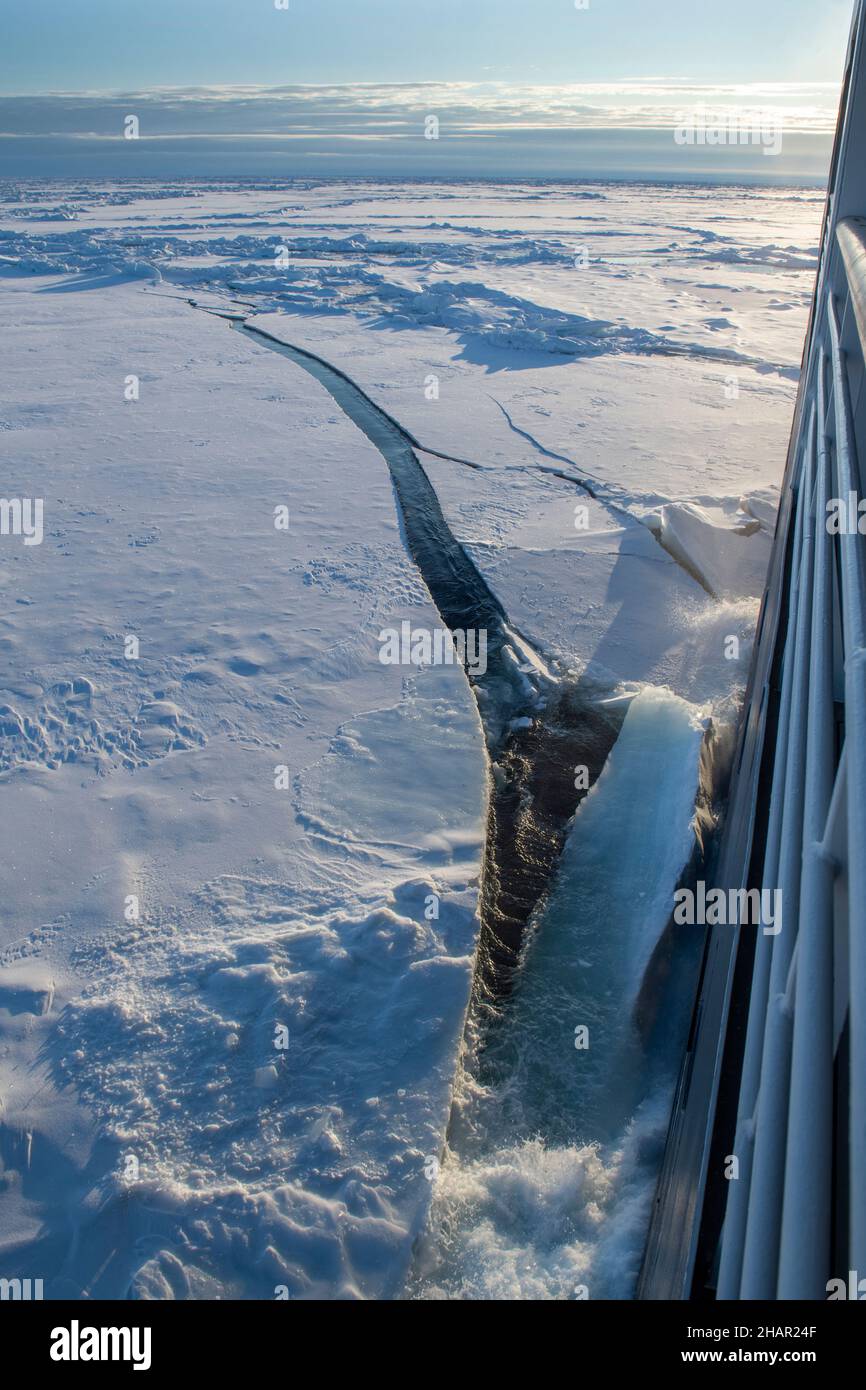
(726, 549)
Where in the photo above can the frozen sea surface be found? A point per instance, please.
(241, 878)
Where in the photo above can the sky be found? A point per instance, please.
(222, 87)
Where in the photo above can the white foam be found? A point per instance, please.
(530, 1221)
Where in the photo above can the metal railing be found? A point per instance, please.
(796, 1209)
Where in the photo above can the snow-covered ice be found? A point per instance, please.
(170, 1146)
(251, 824)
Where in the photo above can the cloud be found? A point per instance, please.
(371, 109)
(583, 130)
